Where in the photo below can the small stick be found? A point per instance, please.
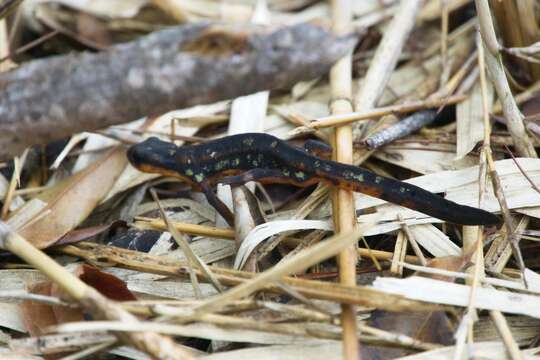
(31, 45)
(403, 128)
(194, 229)
(412, 241)
(533, 185)
(344, 119)
(385, 255)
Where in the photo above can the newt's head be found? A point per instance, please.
(153, 155)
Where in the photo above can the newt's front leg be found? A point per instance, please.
(219, 205)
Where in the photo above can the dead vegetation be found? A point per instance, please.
(441, 93)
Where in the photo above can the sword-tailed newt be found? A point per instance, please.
(238, 159)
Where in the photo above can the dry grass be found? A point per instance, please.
(389, 283)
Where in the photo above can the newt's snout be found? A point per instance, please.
(153, 152)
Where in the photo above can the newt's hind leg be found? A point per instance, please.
(219, 205)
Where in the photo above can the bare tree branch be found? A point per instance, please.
(50, 99)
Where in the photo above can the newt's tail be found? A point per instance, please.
(409, 196)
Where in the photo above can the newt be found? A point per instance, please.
(237, 159)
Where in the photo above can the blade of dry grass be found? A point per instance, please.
(193, 259)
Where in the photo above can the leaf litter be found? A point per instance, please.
(191, 284)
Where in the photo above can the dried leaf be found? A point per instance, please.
(73, 199)
(37, 316)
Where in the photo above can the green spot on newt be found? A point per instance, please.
(220, 165)
(248, 141)
(348, 175)
(199, 178)
(359, 177)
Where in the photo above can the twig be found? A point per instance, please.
(533, 185)
(193, 260)
(30, 45)
(24, 295)
(403, 128)
(194, 229)
(412, 241)
(166, 70)
(344, 119)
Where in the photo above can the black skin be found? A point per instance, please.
(237, 159)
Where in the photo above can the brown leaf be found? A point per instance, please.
(450, 263)
(107, 284)
(73, 199)
(37, 317)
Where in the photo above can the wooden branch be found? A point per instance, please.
(50, 99)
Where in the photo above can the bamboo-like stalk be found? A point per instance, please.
(157, 346)
(514, 118)
(495, 68)
(343, 200)
(516, 21)
(498, 318)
